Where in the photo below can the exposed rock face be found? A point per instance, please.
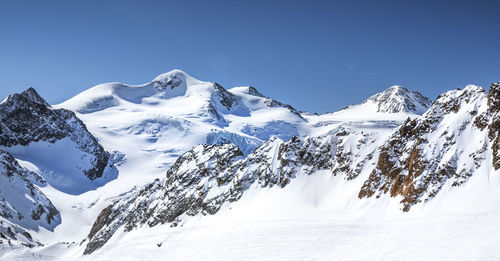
(494, 127)
(221, 101)
(13, 235)
(272, 103)
(444, 147)
(184, 190)
(173, 81)
(252, 91)
(207, 176)
(400, 99)
(223, 97)
(26, 118)
(169, 84)
(22, 204)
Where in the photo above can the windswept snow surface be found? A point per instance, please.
(315, 217)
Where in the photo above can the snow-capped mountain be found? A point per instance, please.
(208, 177)
(339, 144)
(190, 157)
(161, 120)
(164, 118)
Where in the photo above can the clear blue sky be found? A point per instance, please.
(317, 56)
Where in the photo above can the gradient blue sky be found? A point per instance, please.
(317, 56)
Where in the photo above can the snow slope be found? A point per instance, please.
(431, 238)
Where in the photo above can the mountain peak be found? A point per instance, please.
(32, 95)
(252, 91)
(176, 73)
(29, 94)
(397, 99)
(397, 89)
(175, 79)
(494, 96)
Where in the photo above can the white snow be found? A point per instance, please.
(61, 164)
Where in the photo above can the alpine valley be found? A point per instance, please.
(183, 169)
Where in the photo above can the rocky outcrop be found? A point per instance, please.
(14, 236)
(252, 91)
(223, 97)
(27, 118)
(22, 204)
(399, 99)
(444, 147)
(494, 126)
(171, 81)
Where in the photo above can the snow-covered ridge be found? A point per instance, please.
(165, 86)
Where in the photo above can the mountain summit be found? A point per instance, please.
(396, 99)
